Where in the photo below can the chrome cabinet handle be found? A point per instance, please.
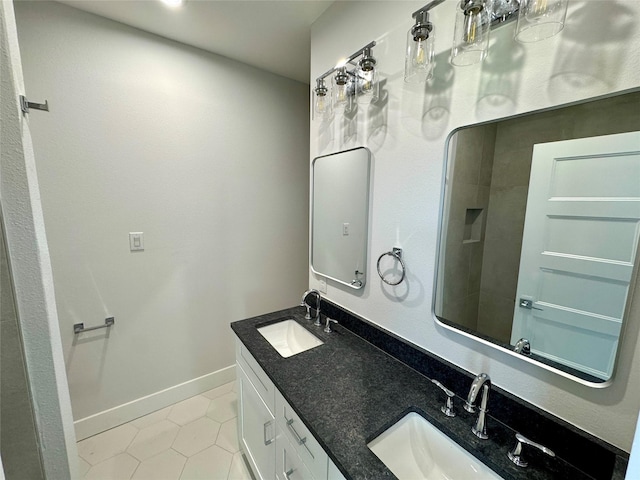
(515, 455)
(298, 438)
(285, 472)
(264, 431)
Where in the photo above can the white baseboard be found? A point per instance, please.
(99, 422)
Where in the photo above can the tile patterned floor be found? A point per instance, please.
(195, 439)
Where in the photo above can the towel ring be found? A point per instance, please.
(397, 254)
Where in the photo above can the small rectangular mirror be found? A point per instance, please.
(540, 232)
(340, 215)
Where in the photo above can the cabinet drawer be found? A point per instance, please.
(263, 385)
(300, 437)
(289, 466)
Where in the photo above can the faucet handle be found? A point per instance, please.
(447, 409)
(327, 327)
(515, 455)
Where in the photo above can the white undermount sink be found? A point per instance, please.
(289, 338)
(413, 448)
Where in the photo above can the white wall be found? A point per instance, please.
(407, 137)
(30, 266)
(207, 157)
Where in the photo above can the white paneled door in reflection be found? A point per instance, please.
(579, 245)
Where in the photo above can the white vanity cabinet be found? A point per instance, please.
(256, 423)
(273, 438)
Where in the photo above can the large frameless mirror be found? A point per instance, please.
(340, 213)
(539, 234)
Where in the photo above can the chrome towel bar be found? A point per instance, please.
(79, 327)
(25, 105)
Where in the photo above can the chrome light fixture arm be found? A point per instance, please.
(427, 7)
(366, 49)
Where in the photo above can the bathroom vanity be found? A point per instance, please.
(314, 413)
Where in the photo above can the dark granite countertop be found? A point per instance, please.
(347, 392)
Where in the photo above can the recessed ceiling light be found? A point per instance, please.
(172, 3)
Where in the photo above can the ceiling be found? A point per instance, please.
(271, 35)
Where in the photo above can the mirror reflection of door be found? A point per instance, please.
(580, 242)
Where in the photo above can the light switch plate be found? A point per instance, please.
(136, 241)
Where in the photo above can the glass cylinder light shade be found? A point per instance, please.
(321, 99)
(418, 63)
(368, 86)
(540, 19)
(471, 34)
(340, 90)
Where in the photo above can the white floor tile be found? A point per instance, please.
(152, 440)
(224, 408)
(120, 467)
(196, 436)
(213, 463)
(148, 420)
(189, 410)
(239, 470)
(228, 436)
(201, 448)
(167, 465)
(83, 467)
(219, 391)
(106, 444)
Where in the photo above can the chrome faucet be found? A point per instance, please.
(522, 346)
(303, 303)
(481, 381)
(327, 327)
(515, 455)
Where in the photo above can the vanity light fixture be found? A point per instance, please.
(471, 34)
(537, 20)
(341, 97)
(352, 81)
(366, 78)
(540, 19)
(321, 104)
(418, 63)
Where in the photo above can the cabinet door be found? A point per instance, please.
(289, 466)
(307, 447)
(334, 473)
(257, 429)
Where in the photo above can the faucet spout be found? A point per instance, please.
(481, 382)
(303, 303)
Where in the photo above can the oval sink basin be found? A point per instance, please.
(289, 338)
(413, 448)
